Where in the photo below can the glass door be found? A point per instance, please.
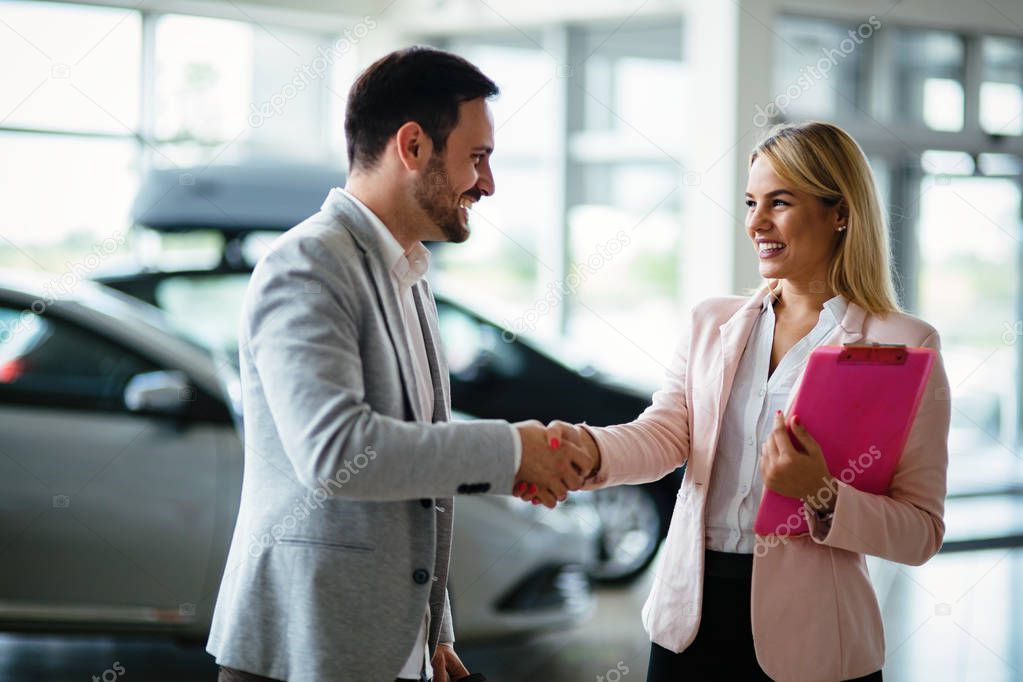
(968, 284)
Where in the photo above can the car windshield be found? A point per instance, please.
(206, 308)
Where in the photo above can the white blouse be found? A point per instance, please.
(736, 487)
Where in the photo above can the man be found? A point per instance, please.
(338, 564)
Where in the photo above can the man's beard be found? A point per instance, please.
(434, 194)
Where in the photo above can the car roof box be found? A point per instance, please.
(232, 199)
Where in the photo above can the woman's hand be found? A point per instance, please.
(797, 472)
(559, 432)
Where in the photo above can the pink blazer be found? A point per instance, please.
(814, 612)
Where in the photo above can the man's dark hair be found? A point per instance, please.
(418, 84)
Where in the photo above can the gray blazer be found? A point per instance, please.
(344, 530)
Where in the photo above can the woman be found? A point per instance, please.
(726, 603)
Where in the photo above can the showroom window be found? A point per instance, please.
(948, 154)
(819, 78)
(930, 77)
(1001, 93)
(203, 81)
(514, 232)
(69, 116)
(579, 247)
(102, 94)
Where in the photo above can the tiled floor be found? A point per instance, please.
(960, 617)
(957, 619)
(63, 659)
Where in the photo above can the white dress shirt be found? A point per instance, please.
(407, 268)
(736, 486)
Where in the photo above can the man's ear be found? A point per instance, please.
(414, 146)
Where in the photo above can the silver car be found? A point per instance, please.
(120, 474)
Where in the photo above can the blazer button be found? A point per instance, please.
(421, 576)
(426, 503)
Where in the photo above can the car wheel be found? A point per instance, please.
(632, 526)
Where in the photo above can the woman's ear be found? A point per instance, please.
(842, 213)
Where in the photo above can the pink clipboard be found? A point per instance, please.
(859, 403)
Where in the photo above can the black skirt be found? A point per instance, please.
(723, 648)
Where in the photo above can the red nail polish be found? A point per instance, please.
(536, 501)
(518, 487)
(795, 420)
(555, 443)
(533, 488)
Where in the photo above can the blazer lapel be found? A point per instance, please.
(733, 335)
(850, 329)
(387, 297)
(425, 307)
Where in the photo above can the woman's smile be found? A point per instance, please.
(767, 248)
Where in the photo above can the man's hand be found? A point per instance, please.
(447, 667)
(799, 472)
(559, 432)
(548, 473)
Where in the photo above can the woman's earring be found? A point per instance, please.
(841, 228)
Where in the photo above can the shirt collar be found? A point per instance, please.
(836, 306)
(408, 267)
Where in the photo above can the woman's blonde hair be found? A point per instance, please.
(822, 160)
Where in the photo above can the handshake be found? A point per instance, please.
(555, 459)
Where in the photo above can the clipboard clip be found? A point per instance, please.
(874, 354)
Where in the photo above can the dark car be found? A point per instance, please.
(494, 374)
